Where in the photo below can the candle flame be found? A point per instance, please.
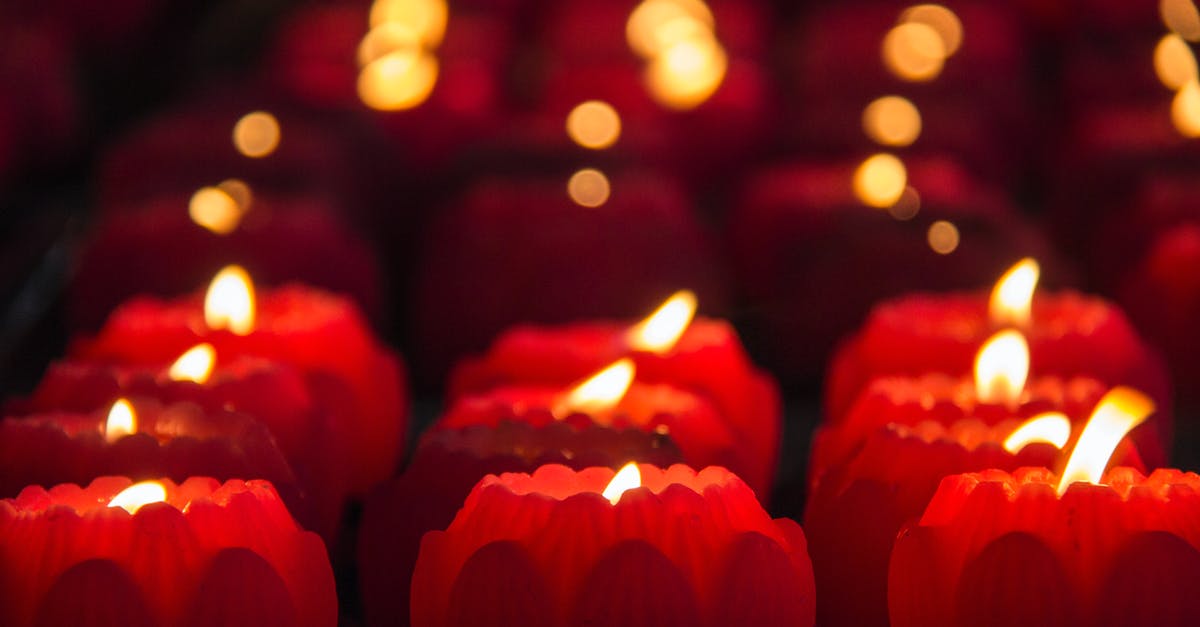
(1115, 415)
(229, 302)
(598, 393)
(880, 180)
(1012, 297)
(594, 124)
(1050, 427)
(195, 365)
(1001, 368)
(122, 421)
(628, 478)
(139, 495)
(661, 330)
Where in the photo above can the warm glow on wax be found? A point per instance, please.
(914, 52)
(1001, 368)
(659, 331)
(426, 18)
(880, 181)
(600, 392)
(628, 478)
(1050, 427)
(195, 365)
(892, 121)
(139, 495)
(122, 421)
(656, 25)
(256, 134)
(1117, 413)
(594, 124)
(686, 74)
(589, 188)
(229, 302)
(399, 80)
(1174, 61)
(216, 210)
(1012, 297)
(940, 19)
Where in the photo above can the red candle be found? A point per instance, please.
(170, 244)
(320, 334)
(1069, 335)
(707, 358)
(564, 548)
(484, 261)
(304, 414)
(994, 548)
(142, 439)
(863, 499)
(198, 553)
(801, 232)
(1040, 548)
(450, 461)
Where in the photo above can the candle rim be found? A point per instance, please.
(92, 500)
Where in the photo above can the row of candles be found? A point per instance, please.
(958, 477)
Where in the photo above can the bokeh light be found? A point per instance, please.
(943, 237)
(892, 121)
(256, 134)
(589, 188)
(914, 52)
(880, 180)
(594, 124)
(398, 80)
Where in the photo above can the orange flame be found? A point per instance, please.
(1051, 427)
(229, 302)
(1012, 297)
(122, 421)
(195, 365)
(1001, 368)
(598, 393)
(661, 330)
(628, 478)
(139, 495)
(1115, 415)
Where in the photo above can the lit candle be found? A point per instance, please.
(1034, 547)
(703, 356)
(1069, 335)
(155, 553)
(645, 546)
(321, 335)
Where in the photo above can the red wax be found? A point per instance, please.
(799, 236)
(156, 248)
(301, 411)
(179, 440)
(547, 549)
(448, 463)
(878, 469)
(1069, 335)
(323, 335)
(709, 360)
(1162, 294)
(211, 555)
(1000, 549)
(515, 251)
